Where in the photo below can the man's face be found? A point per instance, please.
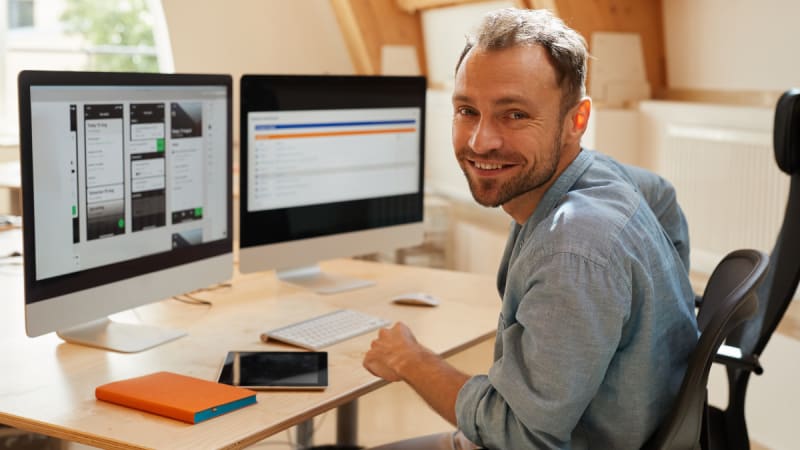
(507, 124)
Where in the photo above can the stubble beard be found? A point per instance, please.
(536, 176)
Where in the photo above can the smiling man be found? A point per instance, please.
(597, 317)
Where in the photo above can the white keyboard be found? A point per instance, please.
(325, 330)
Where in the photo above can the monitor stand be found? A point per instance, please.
(117, 336)
(313, 278)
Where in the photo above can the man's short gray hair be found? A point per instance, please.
(511, 27)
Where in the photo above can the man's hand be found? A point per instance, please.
(396, 355)
(393, 349)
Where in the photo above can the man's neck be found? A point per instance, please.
(521, 207)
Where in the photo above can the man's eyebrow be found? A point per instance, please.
(511, 99)
(507, 100)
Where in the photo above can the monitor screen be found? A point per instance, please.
(331, 166)
(126, 191)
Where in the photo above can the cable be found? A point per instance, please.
(190, 299)
(215, 287)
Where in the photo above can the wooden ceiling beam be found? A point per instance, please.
(368, 25)
(412, 6)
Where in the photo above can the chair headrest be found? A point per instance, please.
(786, 135)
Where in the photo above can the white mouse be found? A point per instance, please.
(416, 299)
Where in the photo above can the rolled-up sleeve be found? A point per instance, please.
(557, 343)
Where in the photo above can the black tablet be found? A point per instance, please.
(275, 370)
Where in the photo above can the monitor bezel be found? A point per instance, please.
(251, 224)
(44, 289)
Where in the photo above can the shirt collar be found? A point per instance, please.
(562, 185)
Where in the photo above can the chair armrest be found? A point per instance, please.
(732, 357)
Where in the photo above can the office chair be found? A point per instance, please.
(728, 425)
(729, 299)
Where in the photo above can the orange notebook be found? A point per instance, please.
(177, 396)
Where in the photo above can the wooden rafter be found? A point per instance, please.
(368, 25)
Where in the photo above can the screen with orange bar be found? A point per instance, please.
(300, 158)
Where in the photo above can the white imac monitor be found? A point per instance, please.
(331, 166)
(126, 186)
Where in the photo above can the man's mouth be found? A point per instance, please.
(489, 166)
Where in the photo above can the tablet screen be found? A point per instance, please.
(271, 370)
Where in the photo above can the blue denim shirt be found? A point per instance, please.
(597, 319)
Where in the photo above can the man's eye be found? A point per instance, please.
(466, 111)
(517, 115)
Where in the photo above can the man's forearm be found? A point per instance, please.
(436, 381)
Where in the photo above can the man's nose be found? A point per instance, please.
(485, 136)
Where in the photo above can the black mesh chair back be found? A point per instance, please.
(779, 285)
(728, 300)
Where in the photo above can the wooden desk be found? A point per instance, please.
(47, 386)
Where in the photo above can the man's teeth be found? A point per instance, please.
(487, 166)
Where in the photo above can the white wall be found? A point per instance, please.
(444, 30)
(615, 132)
(732, 44)
(255, 37)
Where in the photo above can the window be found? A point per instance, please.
(20, 13)
(98, 35)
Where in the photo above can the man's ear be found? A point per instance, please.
(578, 119)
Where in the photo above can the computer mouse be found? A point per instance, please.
(415, 299)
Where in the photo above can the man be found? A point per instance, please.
(597, 317)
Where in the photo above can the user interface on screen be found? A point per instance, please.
(302, 158)
(326, 155)
(121, 172)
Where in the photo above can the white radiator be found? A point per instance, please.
(720, 160)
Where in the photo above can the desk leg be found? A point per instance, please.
(347, 424)
(305, 434)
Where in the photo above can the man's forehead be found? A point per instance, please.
(496, 87)
(531, 62)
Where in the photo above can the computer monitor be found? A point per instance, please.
(126, 192)
(331, 166)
